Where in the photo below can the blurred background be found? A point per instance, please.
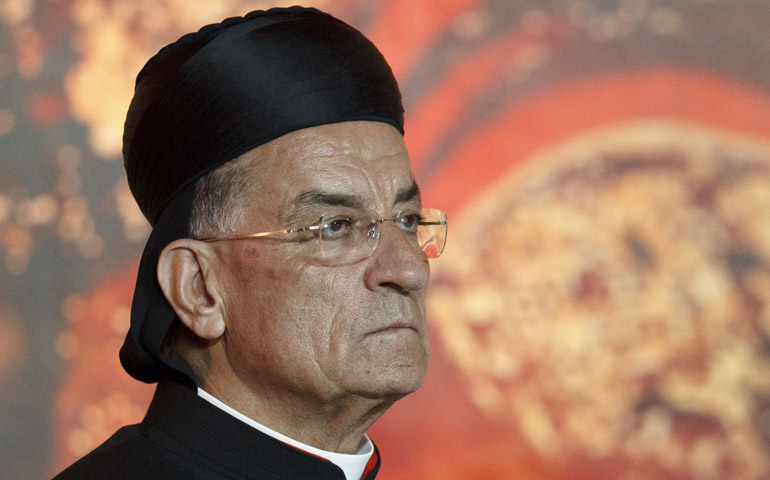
(602, 309)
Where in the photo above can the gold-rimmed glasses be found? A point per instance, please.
(346, 239)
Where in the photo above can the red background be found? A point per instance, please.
(488, 85)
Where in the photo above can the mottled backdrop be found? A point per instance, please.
(602, 310)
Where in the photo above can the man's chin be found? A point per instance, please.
(393, 384)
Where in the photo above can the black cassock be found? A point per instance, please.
(185, 437)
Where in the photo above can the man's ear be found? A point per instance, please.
(184, 276)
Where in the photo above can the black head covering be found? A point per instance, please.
(216, 94)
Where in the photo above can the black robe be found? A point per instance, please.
(185, 437)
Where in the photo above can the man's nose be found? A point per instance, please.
(398, 262)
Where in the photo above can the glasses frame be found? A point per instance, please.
(372, 222)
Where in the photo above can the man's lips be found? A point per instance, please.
(395, 327)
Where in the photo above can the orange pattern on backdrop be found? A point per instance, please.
(97, 396)
(554, 116)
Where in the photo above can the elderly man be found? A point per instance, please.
(280, 298)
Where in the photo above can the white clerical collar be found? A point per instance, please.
(352, 464)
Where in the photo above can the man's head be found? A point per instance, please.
(280, 321)
(287, 124)
(217, 94)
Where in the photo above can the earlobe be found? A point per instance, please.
(182, 275)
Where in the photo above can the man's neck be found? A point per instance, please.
(336, 428)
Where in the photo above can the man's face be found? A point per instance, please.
(298, 328)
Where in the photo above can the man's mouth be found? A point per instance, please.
(401, 325)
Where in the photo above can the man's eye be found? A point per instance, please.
(336, 228)
(409, 221)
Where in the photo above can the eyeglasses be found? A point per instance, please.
(346, 239)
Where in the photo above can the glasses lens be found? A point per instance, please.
(345, 239)
(432, 231)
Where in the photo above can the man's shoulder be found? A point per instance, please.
(123, 445)
(134, 452)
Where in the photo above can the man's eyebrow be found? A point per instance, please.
(319, 197)
(408, 194)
